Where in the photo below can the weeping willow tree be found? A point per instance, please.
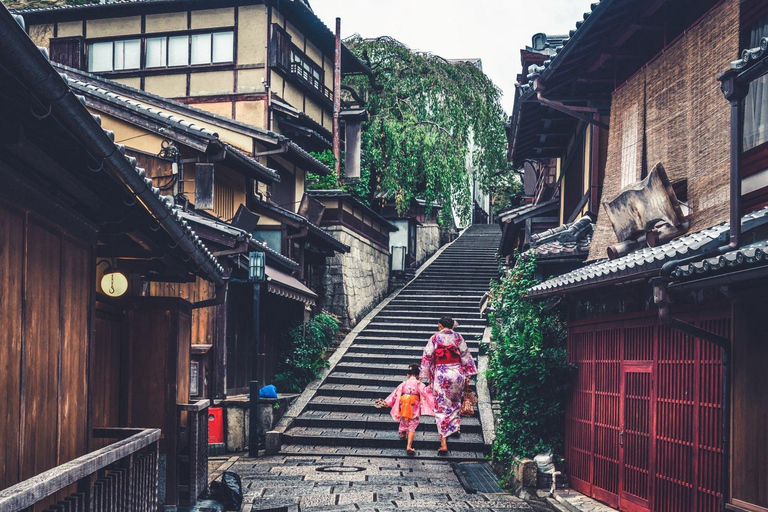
(432, 124)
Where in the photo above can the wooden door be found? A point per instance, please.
(106, 369)
(635, 436)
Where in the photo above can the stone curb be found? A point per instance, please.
(484, 397)
(274, 436)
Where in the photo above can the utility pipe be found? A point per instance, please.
(28, 63)
(337, 100)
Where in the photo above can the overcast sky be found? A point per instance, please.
(493, 30)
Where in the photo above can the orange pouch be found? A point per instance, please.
(407, 403)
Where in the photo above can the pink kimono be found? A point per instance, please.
(409, 401)
(447, 364)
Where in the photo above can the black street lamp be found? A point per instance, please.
(256, 275)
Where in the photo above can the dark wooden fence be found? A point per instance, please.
(118, 477)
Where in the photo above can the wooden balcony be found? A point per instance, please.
(313, 84)
(118, 477)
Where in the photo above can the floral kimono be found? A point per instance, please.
(409, 401)
(447, 364)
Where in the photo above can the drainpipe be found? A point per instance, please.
(337, 100)
(735, 93)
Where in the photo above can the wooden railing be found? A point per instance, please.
(193, 450)
(118, 477)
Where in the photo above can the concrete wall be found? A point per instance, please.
(427, 241)
(350, 285)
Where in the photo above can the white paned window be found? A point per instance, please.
(100, 56)
(127, 54)
(223, 47)
(178, 51)
(157, 52)
(201, 49)
(756, 102)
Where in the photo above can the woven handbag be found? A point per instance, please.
(468, 403)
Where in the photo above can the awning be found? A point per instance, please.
(284, 285)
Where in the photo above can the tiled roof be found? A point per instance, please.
(238, 233)
(263, 135)
(647, 260)
(750, 56)
(566, 241)
(520, 213)
(748, 256)
(314, 229)
(346, 195)
(92, 86)
(159, 206)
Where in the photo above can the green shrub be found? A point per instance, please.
(528, 368)
(301, 355)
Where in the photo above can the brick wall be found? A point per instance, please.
(673, 111)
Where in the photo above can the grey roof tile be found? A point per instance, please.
(649, 259)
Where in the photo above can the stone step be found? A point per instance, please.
(410, 331)
(369, 390)
(355, 378)
(424, 439)
(366, 348)
(310, 450)
(466, 322)
(469, 316)
(403, 360)
(372, 369)
(362, 421)
(473, 342)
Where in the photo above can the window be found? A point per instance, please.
(195, 49)
(756, 102)
(114, 55)
(201, 49)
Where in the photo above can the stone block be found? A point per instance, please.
(274, 440)
(526, 472)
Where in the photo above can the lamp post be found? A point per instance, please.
(256, 275)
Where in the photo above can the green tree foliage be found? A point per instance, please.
(301, 355)
(528, 368)
(428, 118)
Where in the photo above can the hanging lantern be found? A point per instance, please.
(256, 263)
(114, 283)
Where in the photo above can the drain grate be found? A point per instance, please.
(477, 477)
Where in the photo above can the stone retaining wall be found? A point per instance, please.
(350, 285)
(427, 241)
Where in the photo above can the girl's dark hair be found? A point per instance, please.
(414, 369)
(446, 322)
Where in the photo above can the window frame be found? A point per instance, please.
(143, 39)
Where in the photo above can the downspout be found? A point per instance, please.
(337, 100)
(735, 93)
(49, 87)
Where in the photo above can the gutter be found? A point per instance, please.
(33, 69)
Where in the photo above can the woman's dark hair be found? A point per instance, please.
(446, 322)
(414, 369)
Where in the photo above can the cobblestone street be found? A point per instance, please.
(359, 483)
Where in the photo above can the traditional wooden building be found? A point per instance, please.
(418, 233)
(661, 322)
(265, 63)
(186, 154)
(96, 374)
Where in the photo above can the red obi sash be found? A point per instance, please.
(447, 355)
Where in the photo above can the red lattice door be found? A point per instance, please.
(635, 435)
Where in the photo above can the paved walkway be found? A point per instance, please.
(340, 483)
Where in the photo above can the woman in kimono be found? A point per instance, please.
(448, 365)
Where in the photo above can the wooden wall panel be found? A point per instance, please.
(76, 267)
(105, 374)
(11, 269)
(41, 351)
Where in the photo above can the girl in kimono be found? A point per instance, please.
(409, 401)
(448, 365)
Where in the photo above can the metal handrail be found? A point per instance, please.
(31, 491)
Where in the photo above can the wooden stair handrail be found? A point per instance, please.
(30, 491)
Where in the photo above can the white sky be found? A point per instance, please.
(493, 30)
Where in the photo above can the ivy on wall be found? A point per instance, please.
(528, 370)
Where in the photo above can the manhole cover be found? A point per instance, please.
(339, 469)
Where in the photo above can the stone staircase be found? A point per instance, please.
(341, 417)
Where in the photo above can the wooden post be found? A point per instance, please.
(253, 427)
(337, 100)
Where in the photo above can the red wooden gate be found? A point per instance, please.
(643, 425)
